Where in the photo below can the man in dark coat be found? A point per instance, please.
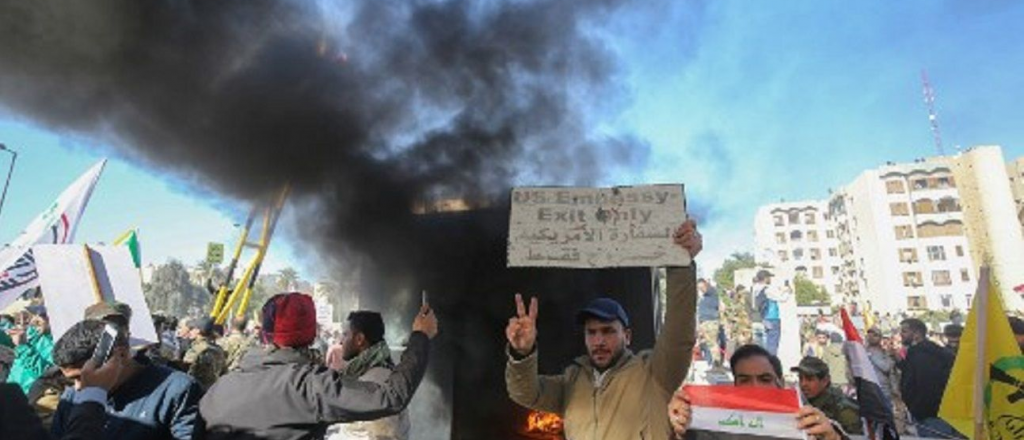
(280, 393)
(925, 373)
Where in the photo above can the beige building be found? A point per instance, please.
(797, 238)
(908, 236)
(901, 238)
(991, 212)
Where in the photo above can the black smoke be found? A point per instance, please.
(365, 107)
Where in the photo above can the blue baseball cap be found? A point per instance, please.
(604, 309)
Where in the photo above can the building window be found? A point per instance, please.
(920, 184)
(948, 204)
(798, 254)
(959, 251)
(908, 255)
(898, 209)
(794, 218)
(949, 229)
(964, 275)
(941, 278)
(832, 252)
(830, 234)
(936, 253)
(817, 272)
(783, 256)
(916, 303)
(947, 301)
(779, 220)
(780, 237)
(835, 270)
(912, 279)
(904, 232)
(812, 235)
(809, 218)
(894, 187)
(796, 236)
(945, 182)
(815, 254)
(968, 297)
(924, 206)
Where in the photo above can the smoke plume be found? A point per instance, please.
(365, 107)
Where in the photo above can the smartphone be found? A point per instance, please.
(105, 346)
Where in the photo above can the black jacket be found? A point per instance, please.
(19, 421)
(278, 395)
(925, 372)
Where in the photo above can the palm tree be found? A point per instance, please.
(287, 278)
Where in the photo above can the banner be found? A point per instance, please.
(56, 225)
(596, 227)
(743, 413)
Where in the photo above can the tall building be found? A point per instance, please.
(991, 213)
(909, 236)
(1015, 171)
(798, 238)
(901, 238)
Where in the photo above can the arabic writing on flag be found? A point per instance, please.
(56, 225)
(743, 413)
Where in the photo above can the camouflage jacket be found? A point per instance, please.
(206, 361)
(839, 408)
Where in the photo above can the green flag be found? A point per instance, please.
(131, 239)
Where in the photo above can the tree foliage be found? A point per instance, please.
(809, 294)
(171, 291)
(725, 275)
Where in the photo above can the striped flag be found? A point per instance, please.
(875, 408)
(56, 225)
(130, 238)
(743, 413)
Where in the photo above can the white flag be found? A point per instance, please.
(56, 225)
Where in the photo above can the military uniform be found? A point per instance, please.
(839, 408)
(207, 361)
(235, 346)
(737, 320)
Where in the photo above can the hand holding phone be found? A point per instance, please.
(105, 345)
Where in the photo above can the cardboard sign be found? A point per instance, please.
(66, 274)
(596, 227)
(744, 412)
(324, 311)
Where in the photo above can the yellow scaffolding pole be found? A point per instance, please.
(242, 290)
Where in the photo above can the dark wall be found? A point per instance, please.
(459, 258)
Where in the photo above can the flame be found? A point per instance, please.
(544, 423)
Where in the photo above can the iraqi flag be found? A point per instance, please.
(875, 408)
(743, 413)
(56, 225)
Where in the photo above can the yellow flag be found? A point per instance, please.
(1002, 374)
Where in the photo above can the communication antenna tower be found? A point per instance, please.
(933, 119)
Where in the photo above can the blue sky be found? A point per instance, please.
(744, 102)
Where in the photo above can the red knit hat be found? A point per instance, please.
(289, 320)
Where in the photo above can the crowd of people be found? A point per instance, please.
(283, 377)
(268, 380)
(912, 359)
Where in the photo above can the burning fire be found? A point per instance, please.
(543, 423)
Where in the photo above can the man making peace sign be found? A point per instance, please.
(610, 393)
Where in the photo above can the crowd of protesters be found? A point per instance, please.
(912, 359)
(281, 376)
(265, 380)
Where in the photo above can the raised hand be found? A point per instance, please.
(425, 322)
(522, 328)
(688, 238)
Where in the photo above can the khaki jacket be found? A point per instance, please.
(630, 401)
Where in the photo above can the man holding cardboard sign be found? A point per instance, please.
(610, 393)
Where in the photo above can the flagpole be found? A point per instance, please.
(981, 328)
